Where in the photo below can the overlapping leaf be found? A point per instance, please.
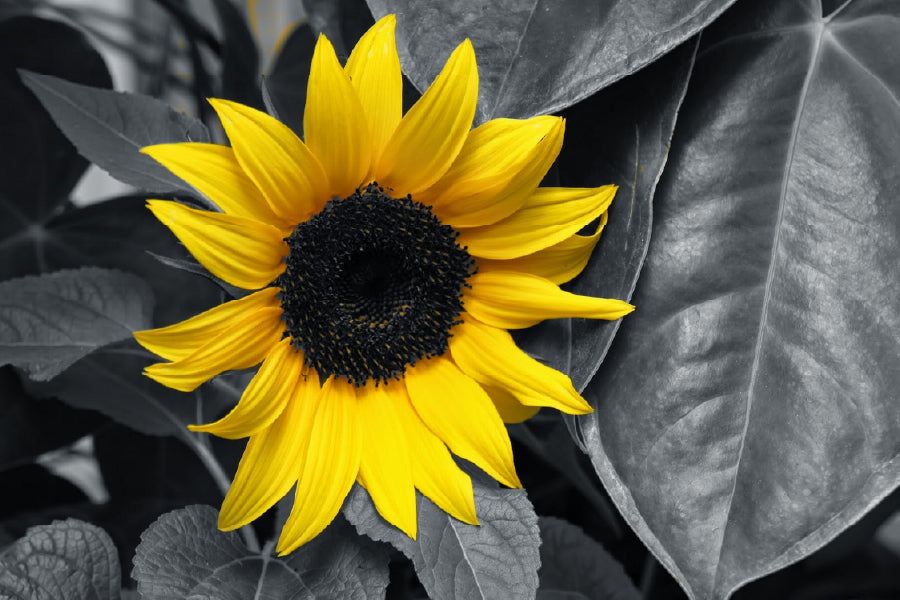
(184, 555)
(746, 413)
(495, 560)
(110, 128)
(67, 559)
(50, 321)
(540, 56)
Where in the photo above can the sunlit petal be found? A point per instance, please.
(240, 251)
(285, 171)
(549, 216)
(329, 468)
(214, 171)
(272, 460)
(385, 461)
(374, 71)
(335, 123)
(434, 130)
(265, 396)
(559, 263)
(498, 168)
(244, 344)
(513, 300)
(490, 356)
(182, 339)
(461, 414)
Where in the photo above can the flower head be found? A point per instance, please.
(387, 256)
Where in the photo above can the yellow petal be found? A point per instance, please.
(549, 216)
(329, 468)
(510, 409)
(374, 71)
(242, 345)
(461, 414)
(335, 123)
(272, 460)
(498, 168)
(279, 163)
(214, 172)
(490, 356)
(243, 252)
(512, 300)
(384, 466)
(435, 472)
(264, 397)
(559, 263)
(434, 130)
(182, 339)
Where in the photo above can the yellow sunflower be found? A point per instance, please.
(388, 255)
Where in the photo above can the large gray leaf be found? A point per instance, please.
(495, 560)
(540, 56)
(183, 556)
(50, 321)
(109, 128)
(69, 560)
(747, 411)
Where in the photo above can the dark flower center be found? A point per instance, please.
(372, 285)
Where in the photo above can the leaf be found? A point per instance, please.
(50, 321)
(183, 555)
(496, 560)
(747, 411)
(30, 426)
(109, 128)
(540, 56)
(66, 559)
(574, 564)
(629, 151)
(119, 233)
(111, 381)
(38, 165)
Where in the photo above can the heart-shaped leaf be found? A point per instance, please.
(184, 555)
(495, 560)
(746, 413)
(109, 128)
(537, 57)
(67, 559)
(48, 322)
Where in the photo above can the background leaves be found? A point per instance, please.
(50, 321)
(67, 559)
(537, 57)
(746, 413)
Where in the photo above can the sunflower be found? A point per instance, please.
(387, 256)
